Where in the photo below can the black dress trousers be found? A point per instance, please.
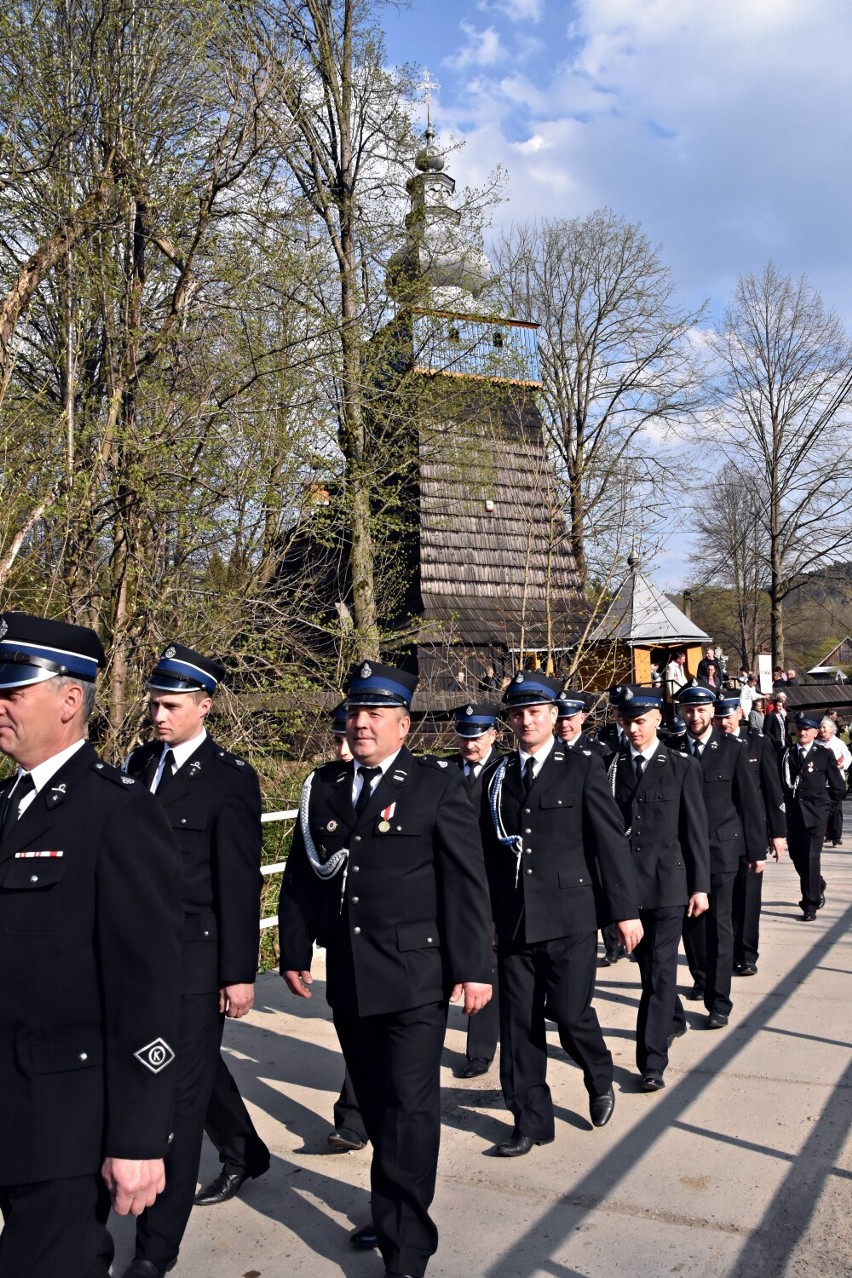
(748, 893)
(558, 976)
(51, 1225)
(347, 1112)
(394, 1062)
(709, 944)
(228, 1125)
(660, 1008)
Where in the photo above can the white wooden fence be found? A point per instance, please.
(278, 866)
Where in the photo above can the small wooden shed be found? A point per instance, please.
(640, 631)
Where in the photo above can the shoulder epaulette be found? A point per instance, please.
(432, 761)
(109, 773)
(233, 759)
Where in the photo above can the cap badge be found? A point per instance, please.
(627, 694)
(170, 652)
(519, 677)
(4, 626)
(469, 710)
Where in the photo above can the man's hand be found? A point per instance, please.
(475, 996)
(299, 983)
(778, 848)
(236, 1000)
(630, 933)
(699, 902)
(756, 867)
(133, 1183)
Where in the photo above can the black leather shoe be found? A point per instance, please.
(809, 916)
(140, 1268)
(343, 1139)
(364, 1238)
(226, 1185)
(601, 1107)
(517, 1145)
(652, 1081)
(746, 969)
(475, 1066)
(717, 1020)
(696, 993)
(677, 1033)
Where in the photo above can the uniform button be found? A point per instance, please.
(357, 838)
(581, 880)
(527, 831)
(33, 878)
(355, 869)
(527, 811)
(84, 1056)
(206, 933)
(528, 851)
(559, 803)
(529, 871)
(355, 900)
(183, 820)
(357, 931)
(429, 940)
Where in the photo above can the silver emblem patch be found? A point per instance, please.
(170, 652)
(469, 710)
(127, 781)
(366, 670)
(155, 1056)
(519, 677)
(4, 626)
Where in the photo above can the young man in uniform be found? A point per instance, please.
(659, 794)
(553, 841)
(212, 801)
(812, 781)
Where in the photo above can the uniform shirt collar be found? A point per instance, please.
(539, 755)
(42, 772)
(647, 755)
(184, 751)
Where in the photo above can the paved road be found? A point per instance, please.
(741, 1168)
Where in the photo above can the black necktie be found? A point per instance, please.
(367, 775)
(24, 786)
(529, 774)
(696, 748)
(167, 772)
(639, 764)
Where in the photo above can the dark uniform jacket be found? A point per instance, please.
(610, 738)
(213, 805)
(89, 956)
(582, 742)
(764, 765)
(667, 823)
(474, 785)
(408, 917)
(811, 789)
(572, 844)
(733, 802)
(776, 728)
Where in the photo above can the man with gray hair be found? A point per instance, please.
(89, 954)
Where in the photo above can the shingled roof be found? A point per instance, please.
(494, 551)
(642, 614)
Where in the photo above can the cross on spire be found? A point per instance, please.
(427, 85)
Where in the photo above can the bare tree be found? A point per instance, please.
(730, 564)
(617, 367)
(783, 387)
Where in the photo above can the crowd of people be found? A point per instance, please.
(129, 914)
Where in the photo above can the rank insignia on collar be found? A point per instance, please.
(557, 758)
(366, 670)
(127, 781)
(194, 768)
(170, 652)
(442, 763)
(714, 745)
(60, 789)
(342, 777)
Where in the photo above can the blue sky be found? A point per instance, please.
(722, 127)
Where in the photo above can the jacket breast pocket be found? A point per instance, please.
(31, 896)
(400, 847)
(555, 802)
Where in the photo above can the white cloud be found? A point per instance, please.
(516, 10)
(483, 49)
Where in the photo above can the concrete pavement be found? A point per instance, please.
(740, 1168)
